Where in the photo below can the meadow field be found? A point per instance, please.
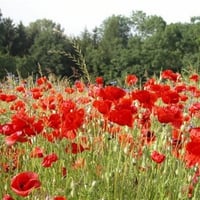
(63, 141)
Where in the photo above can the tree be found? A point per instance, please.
(51, 49)
(116, 29)
(8, 35)
(20, 43)
(144, 25)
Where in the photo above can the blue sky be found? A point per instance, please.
(76, 15)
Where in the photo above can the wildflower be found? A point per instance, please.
(36, 93)
(37, 153)
(122, 117)
(75, 148)
(111, 93)
(169, 74)
(72, 120)
(23, 183)
(18, 105)
(41, 80)
(192, 154)
(194, 77)
(69, 90)
(176, 142)
(17, 136)
(49, 160)
(80, 86)
(194, 109)
(64, 172)
(103, 106)
(20, 89)
(147, 136)
(170, 114)
(99, 80)
(126, 103)
(7, 197)
(170, 97)
(8, 97)
(146, 98)
(131, 79)
(54, 120)
(157, 157)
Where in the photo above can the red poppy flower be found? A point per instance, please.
(48, 103)
(103, 106)
(21, 120)
(37, 153)
(195, 133)
(180, 88)
(144, 119)
(18, 105)
(170, 97)
(156, 88)
(80, 86)
(23, 183)
(148, 136)
(194, 77)
(41, 80)
(36, 127)
(67, 106)
(146, 98)
(195, 108)
(64, 171)
(10, 97)
(131, 79)
(111, 93)
(126, 103)
(169, 74)
(68, 134)
(3, 97)
(192, 154)
(177, 138)
(49, 160)
(54, 120)
(75, 148)
(122, 117)
(170, 114)
(99, 80)
(7, 197)
(7, 129)
(83, 100)
(36, 92)
(72, 120)
(157, 157)
(18, 136)
(20, 89)
(69, 90)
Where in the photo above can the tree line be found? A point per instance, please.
(140, 44)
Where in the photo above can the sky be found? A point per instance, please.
(75, 16)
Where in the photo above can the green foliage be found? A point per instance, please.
(7, 65)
